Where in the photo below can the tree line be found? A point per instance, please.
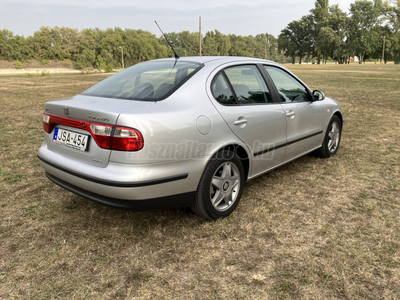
(371, 30)
(325, 33)
(86, 48)
(100, 48)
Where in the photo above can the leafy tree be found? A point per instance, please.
(266, 46)
(13, 47)
(63, 42)
(189, 43)
(339, 22)
(215, 43)
(391, 10)
(185, 43)
(329, 41)
(319, 19)
(362, 36)
(100, 62)
(86, 49)
(296, 38)
(241, 46)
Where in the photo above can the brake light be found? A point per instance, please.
(46, 123)
(106, 136)
(127, 139)
(102, 135)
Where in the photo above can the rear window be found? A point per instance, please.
(150, 81)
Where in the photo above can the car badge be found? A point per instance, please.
(66, 111)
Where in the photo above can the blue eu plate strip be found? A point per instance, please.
(55, 134)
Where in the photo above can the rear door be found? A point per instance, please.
(245, 103)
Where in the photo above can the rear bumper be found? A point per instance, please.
(111, 183)
(180, 200)
(169, 184)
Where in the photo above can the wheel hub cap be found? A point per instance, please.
(334, 135)
(225, 186)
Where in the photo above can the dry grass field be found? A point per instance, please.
(313, 229)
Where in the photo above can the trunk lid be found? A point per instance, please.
(83, 110)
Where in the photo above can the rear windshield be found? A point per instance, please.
(150, 81)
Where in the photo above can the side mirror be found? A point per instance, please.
(318, 95)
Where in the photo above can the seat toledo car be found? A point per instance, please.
(185, 132)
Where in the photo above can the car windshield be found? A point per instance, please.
(150, 81)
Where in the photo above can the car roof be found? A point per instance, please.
(219, 59)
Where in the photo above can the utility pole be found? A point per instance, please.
(200, 35)
(383, 49)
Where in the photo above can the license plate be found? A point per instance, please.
(71, 139)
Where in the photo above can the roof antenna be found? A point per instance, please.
(168, 42)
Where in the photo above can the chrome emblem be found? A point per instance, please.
(66, 111)
(104, 119)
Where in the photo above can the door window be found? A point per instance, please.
(247, 83)
(290, 90)
(221, 90)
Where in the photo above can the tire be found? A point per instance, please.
(331, 142)
(220, 187)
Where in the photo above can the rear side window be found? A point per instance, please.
(145, 81)
(240, 85)
(221, 90)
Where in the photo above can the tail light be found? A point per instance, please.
(106, 136)
(102, 135)
(127, 139)
(46, 123)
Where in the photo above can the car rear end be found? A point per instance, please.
(99, 147)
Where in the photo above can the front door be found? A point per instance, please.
(304, 117)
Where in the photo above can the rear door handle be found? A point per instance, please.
(240, 122)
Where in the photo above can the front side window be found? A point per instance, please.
(290, 90)
(145, 81)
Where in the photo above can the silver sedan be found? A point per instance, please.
(185, 132)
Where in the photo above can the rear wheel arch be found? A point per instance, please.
(242, 154)
(220, 186)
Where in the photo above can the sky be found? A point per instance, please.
(240, 17)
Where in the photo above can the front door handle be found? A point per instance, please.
(240, 122)
(290, 114)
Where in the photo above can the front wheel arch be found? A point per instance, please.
(332, 138)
